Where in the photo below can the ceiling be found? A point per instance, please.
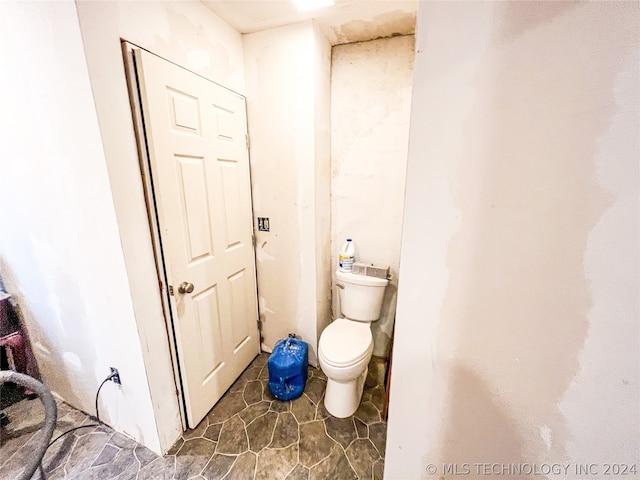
(345, 22)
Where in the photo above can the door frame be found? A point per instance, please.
(152, 215)
(154, 227)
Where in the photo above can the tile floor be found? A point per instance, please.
(247, 435)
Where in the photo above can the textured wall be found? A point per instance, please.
(286, 70)
(60, 252)
(190, 35)
(322, 179)
(370, 104)
(518, 299)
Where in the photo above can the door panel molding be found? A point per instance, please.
(194, 132)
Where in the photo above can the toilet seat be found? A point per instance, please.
(345, 342)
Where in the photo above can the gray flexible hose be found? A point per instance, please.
(50, 416)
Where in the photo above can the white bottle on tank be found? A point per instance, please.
(347, 256)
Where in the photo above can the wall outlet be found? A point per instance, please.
(263, 224)
(116, 376)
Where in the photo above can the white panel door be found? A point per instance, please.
(196, 138)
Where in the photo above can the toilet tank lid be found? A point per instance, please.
(361, 279)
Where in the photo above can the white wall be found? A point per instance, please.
(286, 70)
(87, 306)
(186, 33)
(517, 336)
(322, 179)
(60, 252)
(370, 106)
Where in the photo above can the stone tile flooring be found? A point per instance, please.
(247, 435)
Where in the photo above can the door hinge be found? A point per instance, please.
(246, 136)
(171, 290)
(253, 240)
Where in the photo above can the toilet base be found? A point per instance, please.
(343, 399)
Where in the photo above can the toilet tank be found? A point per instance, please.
(360, 296)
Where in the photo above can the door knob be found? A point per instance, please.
(185, 287)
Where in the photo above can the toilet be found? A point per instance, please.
(346, 345)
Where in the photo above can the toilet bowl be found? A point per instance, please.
(346, 345)
(344, 351)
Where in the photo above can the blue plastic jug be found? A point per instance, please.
(288, 366)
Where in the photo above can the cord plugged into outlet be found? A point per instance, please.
(115, 376)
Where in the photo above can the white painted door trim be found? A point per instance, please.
(136, 110)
